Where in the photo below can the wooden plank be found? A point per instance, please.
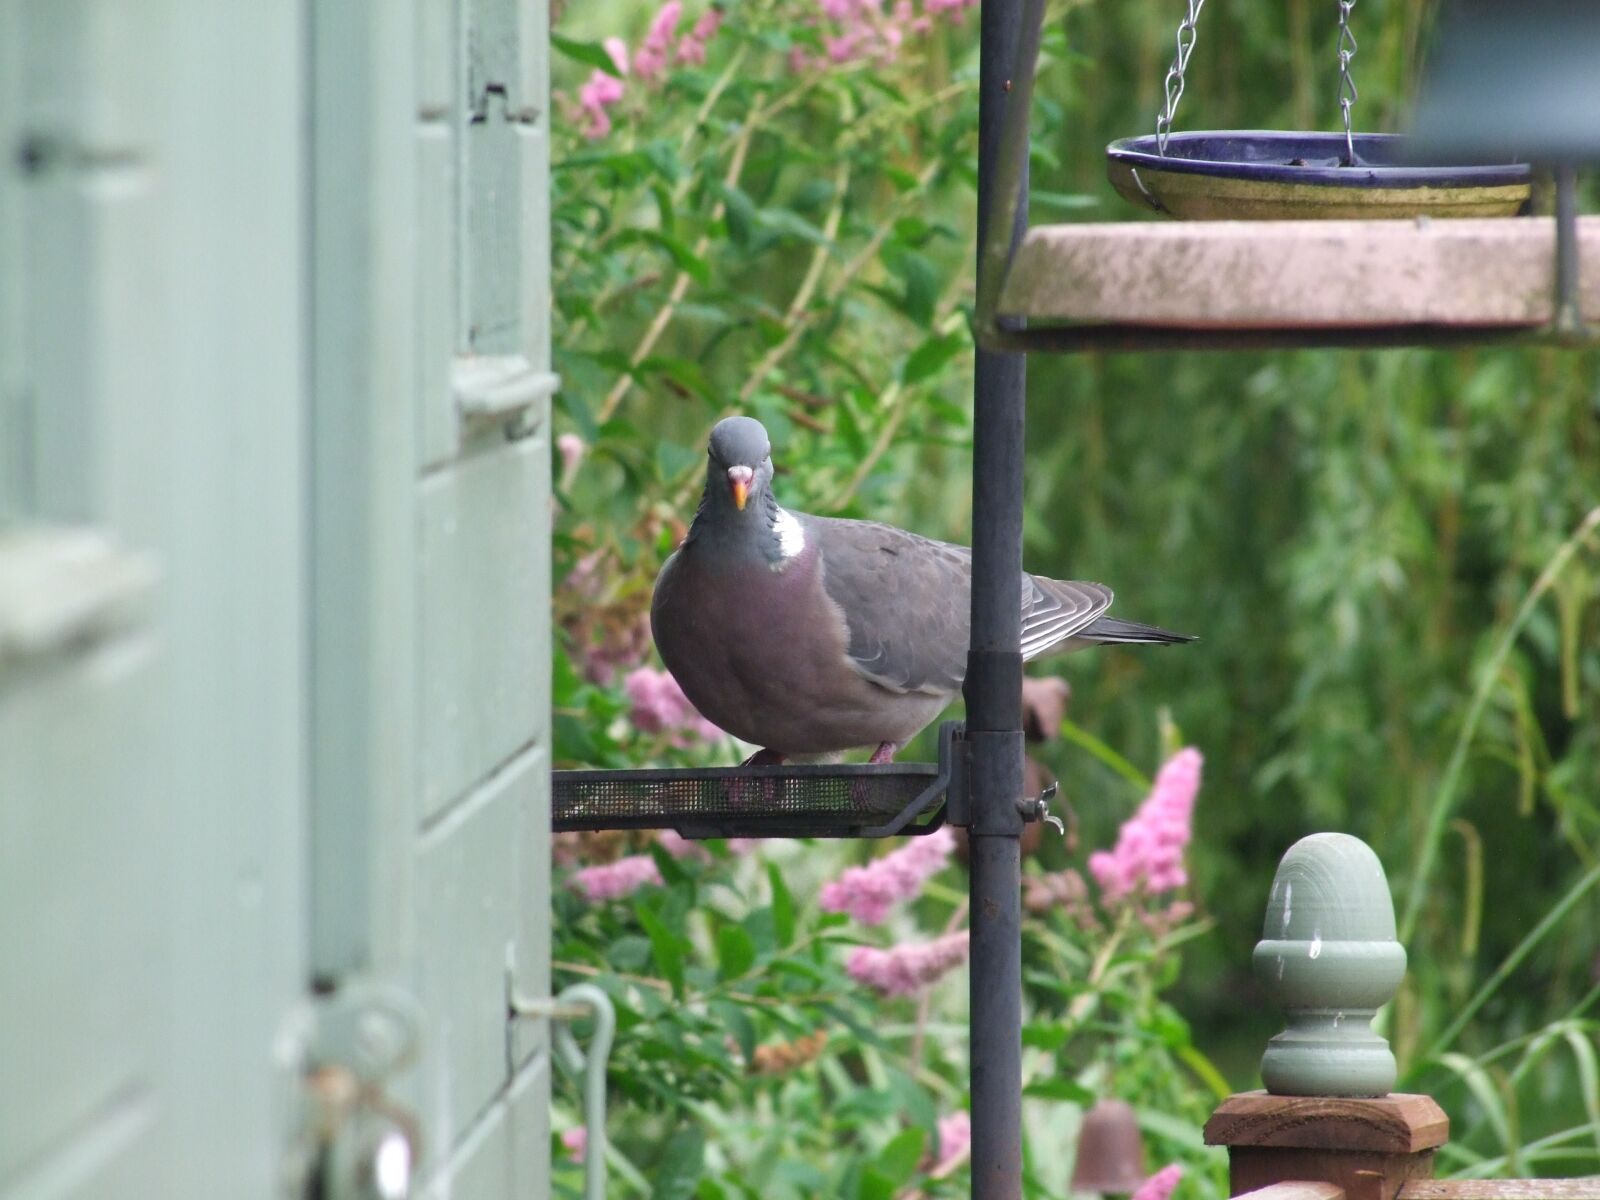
(1502, 1189)
(1491, 274)
(1393, 1124)
(1296, 1190)
(484, 634)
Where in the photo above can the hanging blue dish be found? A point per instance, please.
(1271, 175)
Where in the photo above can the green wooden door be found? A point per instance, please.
(430, 503)
(274, 575)
(152, 624)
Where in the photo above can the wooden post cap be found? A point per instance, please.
(1328, 955)
(1368, 1148)
(1395, 1124)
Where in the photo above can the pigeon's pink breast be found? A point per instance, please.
(761, 653)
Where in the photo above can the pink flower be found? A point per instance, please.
(692, 45)
(955, 1143)
(601, 91)
(651, 59)
(743, 846)
(659, 706)
(1159, 1186)
(577, 1142)
(1148, 856)
(615, 881)
(571, 447)
(680, 847)
(909, 967)
(706, 27)
(868, 893)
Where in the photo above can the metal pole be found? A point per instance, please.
(994, 686)
(1568, 309)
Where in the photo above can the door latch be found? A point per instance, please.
(355, 1142)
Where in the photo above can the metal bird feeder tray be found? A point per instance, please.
(1276, 175)
(825, 801)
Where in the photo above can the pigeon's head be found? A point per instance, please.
(739, 459)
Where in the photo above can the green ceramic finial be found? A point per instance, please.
(1328, 955)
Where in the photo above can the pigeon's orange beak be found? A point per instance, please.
(739, 484)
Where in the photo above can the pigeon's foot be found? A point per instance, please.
(884, 753)
(744, 793)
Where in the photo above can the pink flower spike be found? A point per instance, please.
(910, 967)
(618, 880)
(658, 705)
(1148, 856)
(618, 50)
(571, 447)
(868, 893)
(680, 847)
(665, 24)
(706, 27)
(651, 59)
(1159, 1186)
(955, 1144)
(577, 1142)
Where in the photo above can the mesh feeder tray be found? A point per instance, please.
(1273, 175)
(829, 801)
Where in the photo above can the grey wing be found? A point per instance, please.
(905, 601)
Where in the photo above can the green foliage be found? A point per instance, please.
(1367, 543)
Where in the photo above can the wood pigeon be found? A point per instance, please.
(811, 635)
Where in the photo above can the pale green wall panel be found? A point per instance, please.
(533, 146)
(467, 896)
(83, 917)
(528, 1121)
(155, 299)
(480, 1167)
(438, 435)
(482, 695)
(438, 56)
(231, 336)
(364, 444)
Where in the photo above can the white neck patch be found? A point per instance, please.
(791, 537)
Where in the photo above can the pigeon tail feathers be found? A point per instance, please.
(1110, 631)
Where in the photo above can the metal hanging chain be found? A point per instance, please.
(1347, 85)
(1180, 62)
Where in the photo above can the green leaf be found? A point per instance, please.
(875, 1185)
(628, 953)
(736, 951)
(685, 259)
(590, 54)
(921, 279)
(678, 1172)
(930, 357)
(1042, 1035)
(738, 1023)
(898, 1161)
(1059, 1089)
(665, 947)
(782, 907)
(1061, 200)
(740, 213)
(781, 220)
